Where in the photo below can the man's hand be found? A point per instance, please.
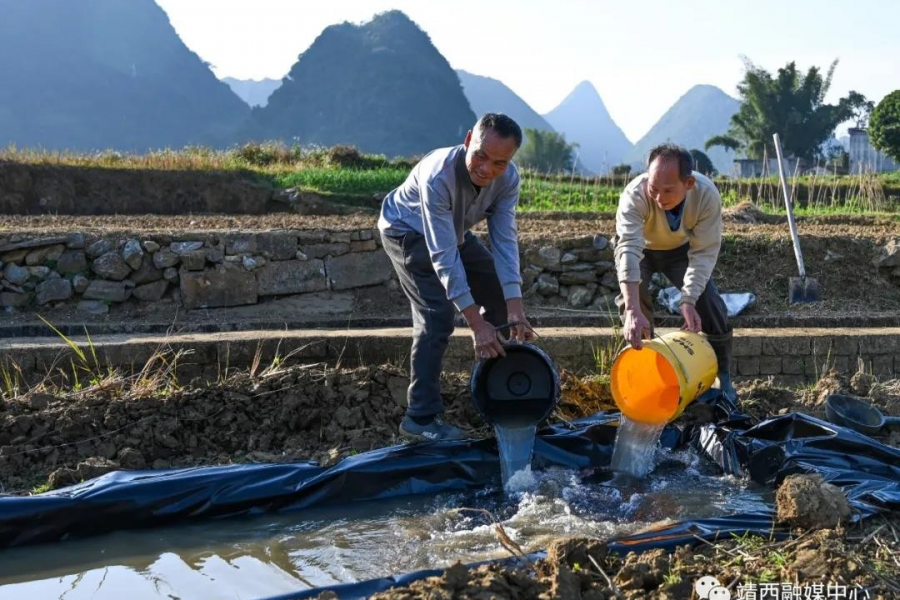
(635, 327)
(487, 345)
(691, 318)
(522, 331)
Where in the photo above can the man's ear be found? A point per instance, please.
(689, 184)
(468, 140)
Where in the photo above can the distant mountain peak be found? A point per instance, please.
(486, 94)
(344, 90)
(583, 118)
(699, 114)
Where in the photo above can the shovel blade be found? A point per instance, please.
(803, 290)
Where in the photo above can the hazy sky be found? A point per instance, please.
(641, 56)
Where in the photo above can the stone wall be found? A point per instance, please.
(212, 270)
(196, 270)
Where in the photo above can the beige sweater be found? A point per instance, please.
(640, 224)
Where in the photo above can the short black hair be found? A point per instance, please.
(502, 125)
(674, 152)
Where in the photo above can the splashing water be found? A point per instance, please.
(635, 449)
(515, 446)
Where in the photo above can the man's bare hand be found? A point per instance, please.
(522, 331)
(487, 344)
(691, 318)
(636, 328)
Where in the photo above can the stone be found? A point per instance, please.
(194, 261)
(99, 248)
(80, 283)
(291, 277)
(39, 273)
(182, 248)
(72, 262)
(610, 279)
(568, 258)
(133, 254)
(147, 273)
(112, 291)
(367, 246)
(131, 459)
(342, 237)
(171, 274)
(75, 241)
(311, 237)
(53, 290)
(93, 307)
(15, 274)
(251, 263)
(580, 296)
(239, 243)
(215, 255)
(547, 284)
(547, 257)
(366, 235)
(14, 300)
(38, 243)
(323, 250)
(889, 255)
(301, 255)
(165, 258)
(359, 270)
(577, 277)
(40, 256)
(222, 286)
(111, 266)
(150, 246)
(151, 292)
(600, 242)
(53, 275)
(529, 275)
(564, 291)
(277, 246)
(15, 256)
(13, 288)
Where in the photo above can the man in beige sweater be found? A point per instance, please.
(669, 221)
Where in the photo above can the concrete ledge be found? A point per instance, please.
(791, 356)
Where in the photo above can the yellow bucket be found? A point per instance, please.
(655, 384)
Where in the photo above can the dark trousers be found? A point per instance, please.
(433, 314)
(710, 306)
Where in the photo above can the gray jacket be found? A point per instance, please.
(439, 201)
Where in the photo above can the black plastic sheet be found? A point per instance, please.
(866, 470)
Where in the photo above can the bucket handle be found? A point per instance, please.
(516, 323)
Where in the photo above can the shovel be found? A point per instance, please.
(857, 414)
(800, 289)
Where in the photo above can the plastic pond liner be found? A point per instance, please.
(294, 530)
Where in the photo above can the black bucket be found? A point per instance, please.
(516, 390)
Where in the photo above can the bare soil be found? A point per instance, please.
(861, 558)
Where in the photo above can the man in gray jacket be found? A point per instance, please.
(669, 221)
(441, 265)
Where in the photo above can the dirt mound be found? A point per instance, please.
(762, 399)
(861, 560)
(807, 501)
(301, 413)
(748, 213)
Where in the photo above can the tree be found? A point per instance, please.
(546, 151)
(884, 126)
(861, 108)
(623, 169)
(702, 163)
(791, 104)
